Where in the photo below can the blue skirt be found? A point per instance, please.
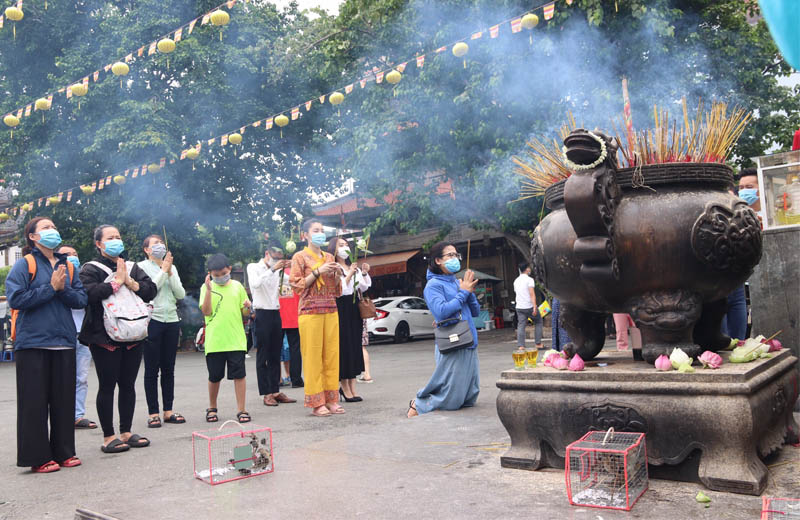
(455, 382)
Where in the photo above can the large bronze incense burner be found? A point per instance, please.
(664, 243)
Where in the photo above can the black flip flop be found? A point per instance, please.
(243, 417)
(137, 441)
(175, 418)
(115, 446)
(154, 422)
(85, 424)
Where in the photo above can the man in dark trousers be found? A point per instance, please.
(264, 280)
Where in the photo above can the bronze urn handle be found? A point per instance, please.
(591, 196)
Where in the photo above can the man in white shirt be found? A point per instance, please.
(524, 288)
(264, 280)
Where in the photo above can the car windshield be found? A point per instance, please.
(380, 303)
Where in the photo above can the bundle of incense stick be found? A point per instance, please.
(709, 137)
(545, 163)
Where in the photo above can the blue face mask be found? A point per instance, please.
(49, 238)
(453, 265)
(75, 261)
(749, 195)
(318, 239)
(113, 247)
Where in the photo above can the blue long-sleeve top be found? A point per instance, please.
(45, 315)
(446, 300)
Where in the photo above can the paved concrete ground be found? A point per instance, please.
(371, 462)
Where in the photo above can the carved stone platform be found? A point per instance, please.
(730, 417)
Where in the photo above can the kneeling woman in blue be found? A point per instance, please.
(455, 381)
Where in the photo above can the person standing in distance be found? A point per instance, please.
(83, 357)
(525, 291)
(264, 279)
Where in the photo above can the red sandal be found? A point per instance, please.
(70, 462)
(47, 467)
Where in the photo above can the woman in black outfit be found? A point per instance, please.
(117, 364)
(355, 281)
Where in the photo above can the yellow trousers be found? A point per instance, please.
(319, 347)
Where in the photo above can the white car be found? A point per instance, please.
(400, 317)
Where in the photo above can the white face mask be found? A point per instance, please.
(344, 253)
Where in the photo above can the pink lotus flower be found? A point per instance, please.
(774, 345)
(560, 363)
(548, 362)
(710, 359)
(663, 363)
(576, 364)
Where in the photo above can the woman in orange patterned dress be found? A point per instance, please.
(316, 278)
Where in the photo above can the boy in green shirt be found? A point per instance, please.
(224, 302)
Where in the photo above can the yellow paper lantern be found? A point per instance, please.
(460, 49)
(119, 179)
(530, 20)
(79, 89)
(53, 200)
(42, 104)
(153, 168)
(394, 77)
(281, 121)
(336, 98)
(14, 14)
(87, 190)
(11, 120)
(4, 216)
(166, 45)
(27, 206)
(120, 68)
(192, 153)
(235, 138)
(220, 18)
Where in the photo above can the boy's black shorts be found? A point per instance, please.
(215, 362)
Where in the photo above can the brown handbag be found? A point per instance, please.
(365, 307)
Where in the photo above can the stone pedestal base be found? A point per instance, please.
(731, 416)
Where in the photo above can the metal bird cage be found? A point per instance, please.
(607, 469)
(773, 508)
(225, 456)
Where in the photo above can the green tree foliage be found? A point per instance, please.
(209, 87)
(463, 123)
(453, 119)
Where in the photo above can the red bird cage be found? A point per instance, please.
(784, 508)
(222, 457)
(607, 469)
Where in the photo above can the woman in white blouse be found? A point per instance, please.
(355, 281)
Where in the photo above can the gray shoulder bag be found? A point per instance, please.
(453, 334)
